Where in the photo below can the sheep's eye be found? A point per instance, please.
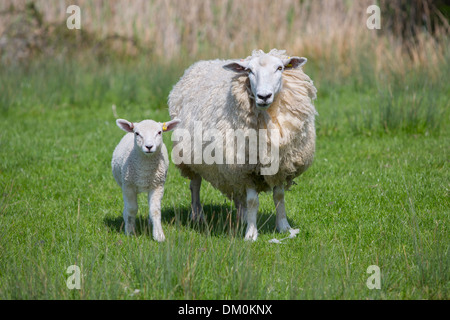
(137, 134)
(159, 132)
(250, 71)
(280, 68)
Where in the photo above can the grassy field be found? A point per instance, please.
(377, 194)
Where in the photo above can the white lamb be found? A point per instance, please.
(263, 91)
(139, 164)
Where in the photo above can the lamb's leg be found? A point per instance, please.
(252, 210)
(278, 199)
(130, 210)
(195, 198)
(154, 203)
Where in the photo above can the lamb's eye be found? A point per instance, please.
(137, 134)
(159, 132)
(280, 68)
(250, 71)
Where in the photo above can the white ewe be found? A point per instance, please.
(139, 164)
(264, 91)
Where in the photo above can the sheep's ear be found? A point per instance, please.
(239, 67)
(294, 62)
(125, 125)
(169, 126)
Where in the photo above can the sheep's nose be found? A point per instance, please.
(149, 147)
(264, 97)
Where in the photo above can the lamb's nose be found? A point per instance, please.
(149, 146)
(264, 97)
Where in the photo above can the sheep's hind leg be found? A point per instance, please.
(196, 207)
(130, 210)
(154, 203)
(252, 210)
(278, 199)
(240, 208)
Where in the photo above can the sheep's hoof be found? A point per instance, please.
(159, 237)
(283, 226)
(197, 215)
(130, 231)
(251, 234)
(199, 218)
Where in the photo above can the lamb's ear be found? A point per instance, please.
(294, 62)
(168, 126)
(125, 125)
(239, 67)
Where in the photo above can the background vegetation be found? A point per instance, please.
(378, 192)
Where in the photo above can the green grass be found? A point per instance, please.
(377, 194)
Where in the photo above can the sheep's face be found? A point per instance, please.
(265, 75)
(147, 133)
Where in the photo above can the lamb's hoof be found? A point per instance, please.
(251, 234)
(283, 226)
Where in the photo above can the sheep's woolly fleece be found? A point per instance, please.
(222, 100)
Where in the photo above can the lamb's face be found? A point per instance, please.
(147, 133)
(148, 136)
(265, 75)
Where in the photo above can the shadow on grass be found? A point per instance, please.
(219, 220)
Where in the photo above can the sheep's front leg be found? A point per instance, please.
(130, 209)
(195, 198)
(252, 210)
(278, 199)
(154, 203)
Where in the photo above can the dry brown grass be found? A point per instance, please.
(331, 31)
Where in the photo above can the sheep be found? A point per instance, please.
(266, 91)
(139, 164)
